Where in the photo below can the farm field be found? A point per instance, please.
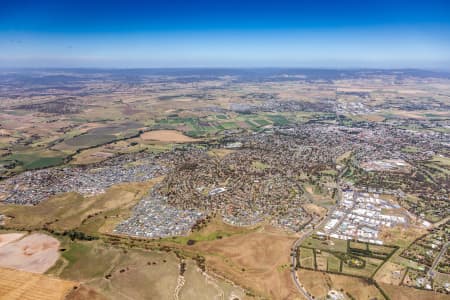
(166, 136)
(21, 285)
(353, 258)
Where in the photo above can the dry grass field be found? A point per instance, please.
(113, 272)
(390, 273)
(254, 260)
(406, 293)
(84, 293)
(20, 285)
(400, 235)
(166, 136)
(319, 283)
(211, 287)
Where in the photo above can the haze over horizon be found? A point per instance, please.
(138, 34)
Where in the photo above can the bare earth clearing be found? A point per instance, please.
(9, 237)
(166, 136)
(34, 253)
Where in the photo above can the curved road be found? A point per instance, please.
(297, 243)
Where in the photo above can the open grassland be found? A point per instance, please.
(327, 245)
(20, 285)
(368, 270)
(34, 159)
(114, 272)
(406, 293)
(117, 273)
(401, 236)
(250, 260)
(319, 283)
(215, 230)
(252, 257)
(390, 273)
(84, 292)
(194, 278)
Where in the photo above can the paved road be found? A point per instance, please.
(297, 243)
(437, 259)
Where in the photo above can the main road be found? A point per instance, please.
(437, 259)
(297, 243)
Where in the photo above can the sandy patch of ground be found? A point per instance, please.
(84, 293)
(34, 253)
(9, 237)
(254, 261)
(406, 293)
(166, 136)
(20, 285)
(319, 283)
(390, 273)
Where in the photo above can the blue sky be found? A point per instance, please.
(343, 34)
